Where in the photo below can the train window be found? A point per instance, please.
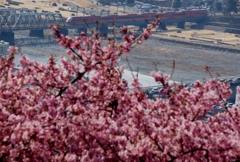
(163, 15)
(136, 17)
(123, 17)
(199, 13)
(82, 19)
(105, 18)
(179, 14)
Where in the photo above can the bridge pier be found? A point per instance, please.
(142, 26)
(36, 33)
(7, 36)
(181, 25)
(162, 26)
(197, 26)
(103, 31)
(64, 31)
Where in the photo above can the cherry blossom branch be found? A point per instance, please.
(62, 90)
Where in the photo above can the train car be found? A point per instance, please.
(108, 19)
(74, 20)
(77, 20)
(179, 14)
(137, 17)
(125, 18)
(147, 16)
(94, 19)
(197, 13)
(165, 15)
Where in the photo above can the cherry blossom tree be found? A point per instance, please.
(53, 113)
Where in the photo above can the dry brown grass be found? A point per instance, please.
(44, 5)
(207, 35)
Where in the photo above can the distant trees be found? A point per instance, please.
(198, 3)
(149, 1)
(104, 2)
(210, 2)
(230, 6)
(107, 2)
(176, 4)
(215, 6)
(218, 6)
(130, 2)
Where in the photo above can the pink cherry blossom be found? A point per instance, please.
(13, 49)
(83, 110)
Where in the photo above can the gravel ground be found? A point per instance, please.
(190, 62)
(41, 52)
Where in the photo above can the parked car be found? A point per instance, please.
(113, 4)
(236, 80)
(217, 109)
(188, 85)
(229, 80)
(155, 90)
(229, 105)
(54, 4)
(62, 9)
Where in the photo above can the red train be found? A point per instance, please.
(74, 20)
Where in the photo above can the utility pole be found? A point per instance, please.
(124, 5)
(77, 9)
(117, 8)
(137, 70)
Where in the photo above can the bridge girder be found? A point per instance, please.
(22, 19)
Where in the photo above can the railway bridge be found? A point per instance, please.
(29, 19)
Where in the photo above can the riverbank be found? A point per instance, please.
(189, 61)
(41, 54)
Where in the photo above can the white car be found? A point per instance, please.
(229, 105)
(155, 90)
